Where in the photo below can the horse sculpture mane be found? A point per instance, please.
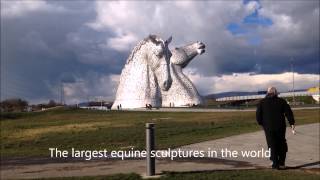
(150, 38)
(136, 48)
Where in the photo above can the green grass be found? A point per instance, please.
(307, 100)
(215, 175)
(131, 176)
(303, 101)
(31, 134)
(244, 175)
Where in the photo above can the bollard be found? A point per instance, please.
(151, 169)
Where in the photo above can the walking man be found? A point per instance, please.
(270, 114)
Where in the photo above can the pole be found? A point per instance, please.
(293, 93)
(62, 93)
(151, 170)
(101, 103)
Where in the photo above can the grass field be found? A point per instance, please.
(31, 134)
(215, 175)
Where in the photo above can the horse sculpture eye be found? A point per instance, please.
(159, 55)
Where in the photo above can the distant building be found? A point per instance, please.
(315, 91)
(262, 92)
(97, 105)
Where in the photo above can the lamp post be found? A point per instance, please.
(293, 93)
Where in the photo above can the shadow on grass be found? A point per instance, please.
(304, 165)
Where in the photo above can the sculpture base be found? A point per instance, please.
(134, 104)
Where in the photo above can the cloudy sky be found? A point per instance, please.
(249, 44)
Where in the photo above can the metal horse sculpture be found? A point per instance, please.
(145, 74)
(182, 92)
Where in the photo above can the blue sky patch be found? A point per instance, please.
(248, 25)
(236, 29)
(247, 1)
(254, 40)
(256, 19)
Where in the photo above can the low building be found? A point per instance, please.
(315, 91)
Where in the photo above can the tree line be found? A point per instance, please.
(21, 105)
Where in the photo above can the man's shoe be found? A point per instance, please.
(282, 167)
(275, 166)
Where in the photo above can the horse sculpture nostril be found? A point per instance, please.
(170, 82)
(167, 84)
(202, 46)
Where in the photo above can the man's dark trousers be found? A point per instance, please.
(277, 143)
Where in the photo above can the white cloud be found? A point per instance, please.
(92, 86)
(207, 21)
(295, 25)
(252, 6)
(12, 9)
(36, 43)
(122, 42)
(187, 21)
(252, 83)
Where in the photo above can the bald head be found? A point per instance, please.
(272, 91)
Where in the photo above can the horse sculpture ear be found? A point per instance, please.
(168, 41)
(152, 36)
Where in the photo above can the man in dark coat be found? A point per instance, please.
(270, 114)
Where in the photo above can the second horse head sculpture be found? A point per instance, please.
(182, 92)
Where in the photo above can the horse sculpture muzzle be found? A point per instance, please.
(165, 81)
(201, 48)
(166, 84)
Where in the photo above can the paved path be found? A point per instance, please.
(187, 109)
(303, 146)
(303, 153)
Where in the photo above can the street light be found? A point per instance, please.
(62, 93)
(293, 93)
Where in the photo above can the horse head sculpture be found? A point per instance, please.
(145, 75)
(182, 91)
